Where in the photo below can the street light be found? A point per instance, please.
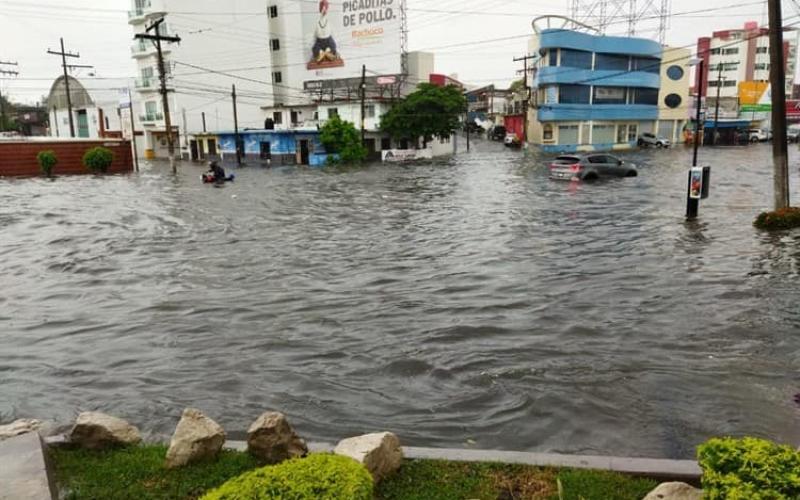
(699, 63)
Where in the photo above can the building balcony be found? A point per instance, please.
(585, 112)
(150, 83)
(146, 49)
(549, 75)
(151, 118)
(146, 9)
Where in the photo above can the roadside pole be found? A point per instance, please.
(133, 132)
(780, 155)
(466, 122)
(236, 129)
(693, 204)
(363, 103)
(526, 100)
(716, 106)
(64, 55)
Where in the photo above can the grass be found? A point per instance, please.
(438, 480)
(138, 473)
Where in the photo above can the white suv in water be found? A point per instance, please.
(648, 139)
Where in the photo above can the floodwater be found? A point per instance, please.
(468, 303)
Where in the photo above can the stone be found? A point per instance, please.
(23, 469)
(675, 491)
(97, 431)
(380, 453)
(272, 439)
(19, 427)
(196, 438)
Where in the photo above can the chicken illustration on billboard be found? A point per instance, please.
(324, 53)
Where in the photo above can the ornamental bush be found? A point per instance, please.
(785, 218)
(342, 138)
(749, 469)
(316, 477)
(47, 162)
(98, 159)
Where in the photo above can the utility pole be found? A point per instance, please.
(527, 97)
(162, 75)
(716, 105)
(466, 122)
(2, 103)
(185, 130)
(133, 131)
(55, 120)
(777, 76)
(699, 105)
(363, 103)
(64, 55)
(203, 114)
(236, 129)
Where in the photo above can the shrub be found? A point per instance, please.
(98, 159)
(749, 469)
(316, 477)
(342, 138)
(785, 218)
(47, 162)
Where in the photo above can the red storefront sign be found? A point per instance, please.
(793, 109)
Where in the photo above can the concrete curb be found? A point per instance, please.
(679, 470)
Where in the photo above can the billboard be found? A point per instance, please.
(754, 96)
(342, 35)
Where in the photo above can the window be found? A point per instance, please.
(386, 144)
(714, 51)
(673, 101)
(647, 64)
(294, 117)
(603, 134)
(576, 58)
(369, 111)
(609, 95)
(730, 51)
(547, 132)
(568, 134)
(729, 83)
(675, 72)
(574, 94)
(275, 44)
(611, 62)
(712, 83)
(645, 96)
(552, 57)
(633, 132)
(762, 50)
(108, 125)
(273, 11)
(332, 112)
(277, 117)
(622, 134)
(151, 107)
(147, 72)
(277, 77)
(763, 66)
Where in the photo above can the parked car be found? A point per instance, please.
(648, 139)
(793, 133)
(590, 167)
(497, 133)
(512, 141)
(759, 135)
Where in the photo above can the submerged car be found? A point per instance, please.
(648, 139)
(497, 133)
(590, 167)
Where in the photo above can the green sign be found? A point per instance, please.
(753, 108)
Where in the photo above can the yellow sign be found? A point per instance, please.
(754, 96)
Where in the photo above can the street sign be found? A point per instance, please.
(387, 80)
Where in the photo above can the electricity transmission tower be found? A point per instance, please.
(624, 17)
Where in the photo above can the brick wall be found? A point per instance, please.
(18, 158)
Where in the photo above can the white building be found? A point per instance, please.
(219, 47)
(95, 111)
(742, 55)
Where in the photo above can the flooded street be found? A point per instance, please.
(472, 302)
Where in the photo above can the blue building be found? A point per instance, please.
(279, 147)
(593, 92)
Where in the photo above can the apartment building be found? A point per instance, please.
(742, 55)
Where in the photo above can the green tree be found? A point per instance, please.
(342, 138)
(430, 111)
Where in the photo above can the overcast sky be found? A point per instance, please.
(98, 29)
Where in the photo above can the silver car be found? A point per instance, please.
(590, 167)
(648, 139)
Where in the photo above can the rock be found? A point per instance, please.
(674, 491)
(271, 438)
(96, 431)
(379, 453)
(19, 427)
(196, 438)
